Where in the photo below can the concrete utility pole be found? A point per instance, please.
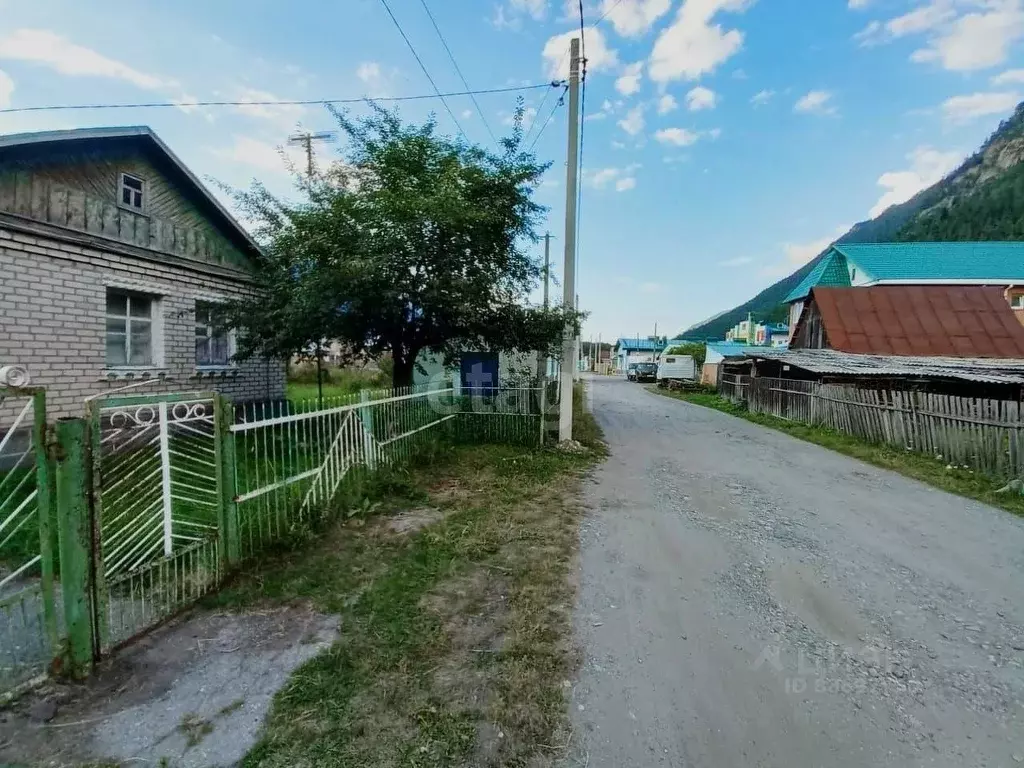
(569, 275)
(547, 265)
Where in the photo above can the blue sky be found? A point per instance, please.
(726, 141)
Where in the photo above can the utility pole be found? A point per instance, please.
(306, 140)
(547, 265)
(569, 274)
(542, 361)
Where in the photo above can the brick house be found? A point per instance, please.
(113, 259)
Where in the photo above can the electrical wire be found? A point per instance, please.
(458, 70)
(540, 109)
(423, 66)
(279, 102)
(605, 14)
(560, 102)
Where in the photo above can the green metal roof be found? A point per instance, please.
(977, 262)
(830, 270)
(885, 262)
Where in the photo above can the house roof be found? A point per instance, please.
(639, 345)
(830, 270)
(831, 362)
(999, 262)
(728, 348)
(142, 137)
(978, 263)
(965, 321)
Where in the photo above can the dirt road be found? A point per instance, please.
(748, 599)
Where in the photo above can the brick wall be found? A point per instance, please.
(52, 321)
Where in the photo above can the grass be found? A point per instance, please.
(454, 639)
(337, 381)
(927, 469)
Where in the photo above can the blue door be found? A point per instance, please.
(479, 373)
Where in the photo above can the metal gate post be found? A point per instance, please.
(45, 504)
(75, 539)
(94, 415)
(366, 417)
(224, 453)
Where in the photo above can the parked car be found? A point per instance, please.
(631, 371)
(646, 372)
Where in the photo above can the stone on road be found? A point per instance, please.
(749, 599)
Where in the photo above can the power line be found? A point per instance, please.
(278, 102)
(540, 109)
(458, 69)
(560, 102)
(422, 66)
(605, 14)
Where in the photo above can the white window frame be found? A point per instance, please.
(232, 346)
(1017, 301)
(155, 329)
(142, 193)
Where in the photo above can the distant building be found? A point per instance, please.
(717, 352)
(637, 351)
(997, 264)
(758, 334)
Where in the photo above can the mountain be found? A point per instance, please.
(983, 199)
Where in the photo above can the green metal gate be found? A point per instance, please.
(28, 615)
(157, 508)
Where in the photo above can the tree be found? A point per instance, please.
(414, 242)
(695, 349)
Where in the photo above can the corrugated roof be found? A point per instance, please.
(979, 261)
(830, 270)
(830, 362)
(639, 345)
(968, 321)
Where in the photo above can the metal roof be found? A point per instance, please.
(830, 270)
(639, 345)
(148, 138)
(971, 321)
(831, 362)
(999, 262)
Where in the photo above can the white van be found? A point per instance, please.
(676, 367)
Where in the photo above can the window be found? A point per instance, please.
(129, 329)
(213, 340)
(1017, 302)
(132, 189)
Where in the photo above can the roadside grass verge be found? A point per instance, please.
(927, 469)
(455, 603)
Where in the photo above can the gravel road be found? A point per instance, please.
(748, 599)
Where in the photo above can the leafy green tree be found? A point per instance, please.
(697, 350)
(413, 242)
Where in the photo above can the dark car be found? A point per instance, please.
(631, 371)
(646, 372)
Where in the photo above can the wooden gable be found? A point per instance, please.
(77, 187)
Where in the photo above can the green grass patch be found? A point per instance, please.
(454, 637)
(927, 469)
(302, 384)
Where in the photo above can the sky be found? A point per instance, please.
(725, 142)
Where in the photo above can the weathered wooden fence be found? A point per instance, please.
(982, 434)
(734, 387)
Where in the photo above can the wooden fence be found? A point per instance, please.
(985, 435)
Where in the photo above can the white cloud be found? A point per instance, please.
(762, 97)
(632, 18)
(976, 40)
(739, 261)
(633, 123)
(921, 19)
(621, 179)
(927, 166)
(260, 155)
(466, 114)
(651, 287)
(680, 137)
(962, 109)
(6, 89)
(701, 98)
(666, 104)
(628, 82)
(600, 58)
(714, 134)
(369, 72)
(42, 46)
(692, 45)
(858, 5)
(536, 9)
(1009, 77)
(798, 254)
(285, 116)
(815, 103)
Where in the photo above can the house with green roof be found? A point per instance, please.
(863, 264)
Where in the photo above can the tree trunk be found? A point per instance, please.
(402, 372)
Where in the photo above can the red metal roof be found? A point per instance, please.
(920, 320)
